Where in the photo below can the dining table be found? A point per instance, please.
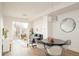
(56, 42)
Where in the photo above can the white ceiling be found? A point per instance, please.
(29, 10)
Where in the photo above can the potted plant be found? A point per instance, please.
(5, 32)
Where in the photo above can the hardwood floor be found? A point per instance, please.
(70, 53)
(29, 52)
(40, 52)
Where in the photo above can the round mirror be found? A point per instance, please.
(68, 25)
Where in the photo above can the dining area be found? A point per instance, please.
(51, 46)
(55, 48)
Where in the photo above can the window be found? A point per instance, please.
(20, 29)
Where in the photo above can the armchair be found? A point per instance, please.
(35, 39)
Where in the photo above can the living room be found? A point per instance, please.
(21, 20)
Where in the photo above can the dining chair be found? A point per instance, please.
(67, 44)
(54, 51)
(58, 50)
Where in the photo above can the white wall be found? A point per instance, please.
(0, 35)
(1, 29)
(41, 24)
(51, 20)
(73, 36)
(44, 25)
